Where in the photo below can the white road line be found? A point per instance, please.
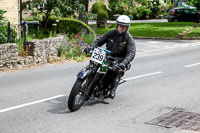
(31, 103)
(58, 96)
(145, 75)
(191, 65)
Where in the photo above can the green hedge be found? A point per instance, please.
(73, 26)
(99, 6)
(102, 15)
(100, 9)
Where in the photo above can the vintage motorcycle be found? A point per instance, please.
(90, 80)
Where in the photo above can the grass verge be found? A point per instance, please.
(194, 34)
(156, 30)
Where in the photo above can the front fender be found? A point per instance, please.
(84, 73)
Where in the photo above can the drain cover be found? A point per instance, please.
(178, 119)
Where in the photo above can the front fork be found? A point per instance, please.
(85, 74)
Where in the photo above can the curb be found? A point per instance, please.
(159, 38)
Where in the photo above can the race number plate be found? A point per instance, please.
(98, 55)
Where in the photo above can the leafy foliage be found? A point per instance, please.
(140, 9)
(4, 34)
(195, 3)
(62, 8)
(73, 48)
(2, 18)
(154, 6)
(141, 12)
(118, 7)
(55, 8)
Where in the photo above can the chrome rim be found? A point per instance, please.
(80, 96)
(79, 99)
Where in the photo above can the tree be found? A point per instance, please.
(71, 8)
(61, 8)
(85, 3)
(196, 3)
(46, 8)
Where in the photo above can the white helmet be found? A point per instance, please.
(123, 20)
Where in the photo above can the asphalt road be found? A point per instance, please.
(164, 76)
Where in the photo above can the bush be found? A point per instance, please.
(141, 12)
(102, 17)
(2, 18)
(74, 26)
(4, 35)
(101, 10)
(67, 26)
(4, 30)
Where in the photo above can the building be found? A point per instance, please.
(12, 8)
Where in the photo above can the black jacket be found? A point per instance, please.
(122, 45)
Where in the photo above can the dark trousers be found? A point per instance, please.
(110, 79)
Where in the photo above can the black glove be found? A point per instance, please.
(88, 49)
(122, 65)
(115, 68)
(118, 67)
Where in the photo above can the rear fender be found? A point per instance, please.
(84, 73)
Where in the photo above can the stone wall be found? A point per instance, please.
(8, 55)
(35, 52)
(45, 50)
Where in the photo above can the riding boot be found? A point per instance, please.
(114, 86)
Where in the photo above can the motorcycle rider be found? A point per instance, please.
(120, 42)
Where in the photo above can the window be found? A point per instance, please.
(187, 11)
(178, 11)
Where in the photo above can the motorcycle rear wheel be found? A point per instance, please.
(77, 97)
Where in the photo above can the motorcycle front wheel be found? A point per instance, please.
(77, 96)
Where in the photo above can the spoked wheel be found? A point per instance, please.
(77, 96)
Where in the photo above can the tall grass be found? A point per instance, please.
(20, 43)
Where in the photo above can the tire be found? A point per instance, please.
(117, 80)
(77, 97)
(175, 20)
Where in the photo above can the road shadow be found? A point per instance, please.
(59, 105)
(94, 102)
